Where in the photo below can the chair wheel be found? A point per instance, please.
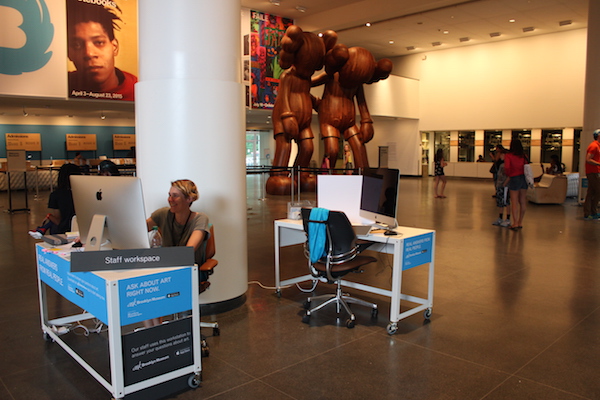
(374, 313)
(350, 323)
(306, 318)
(216, 331)
(306, 304)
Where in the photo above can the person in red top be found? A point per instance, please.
(592, 172)
(514, 167)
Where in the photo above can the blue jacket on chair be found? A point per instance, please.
(317, 234)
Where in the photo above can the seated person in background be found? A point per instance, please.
(555, 167)
(60, 204)
(480, 158)
(178, 224)
(108, 168)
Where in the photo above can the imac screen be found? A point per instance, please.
(120, 199)
(379, 196)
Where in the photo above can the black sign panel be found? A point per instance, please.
(132, 259)
(158, 350)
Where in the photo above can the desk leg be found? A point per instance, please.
(277, 254)
(396, 288)
(115, 346)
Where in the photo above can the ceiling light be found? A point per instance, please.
(25, 114)
(464, 39)
(409, 48)
(436, 44)
(102, 116)
(301, 9)
(275, 2)
(512, 21)
(391, 42)
(446, 32)
(494, 34)
(565, 22)
(368, 24)
(528, 29)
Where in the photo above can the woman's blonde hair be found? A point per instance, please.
(187, 187)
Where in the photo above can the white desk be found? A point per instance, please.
(140, 359)
(411, 248)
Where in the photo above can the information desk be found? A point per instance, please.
(141, 358)
(411, 248)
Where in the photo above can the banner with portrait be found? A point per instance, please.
(69, 48)
(266, 31)
(102, 49)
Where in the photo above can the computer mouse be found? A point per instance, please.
(77, 244)
(390, 233)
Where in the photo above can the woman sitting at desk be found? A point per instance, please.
(178, 224)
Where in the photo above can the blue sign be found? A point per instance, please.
(83, 289)
(155, 295)
(417, 251)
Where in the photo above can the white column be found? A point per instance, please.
(591, 106)
(190, 122)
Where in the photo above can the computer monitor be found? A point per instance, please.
(379, 196)
(110, 208)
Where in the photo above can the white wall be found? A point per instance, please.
(523, 83)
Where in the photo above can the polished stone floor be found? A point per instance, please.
(516, 314)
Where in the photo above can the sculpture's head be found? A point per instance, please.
(303, 50)
(356, 65)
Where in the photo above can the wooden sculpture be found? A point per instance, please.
(302, 53)
(346, 70)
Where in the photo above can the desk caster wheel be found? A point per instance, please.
(195, 380)
(427, 313)
(306, 318)
(350, 324)
(392, 328)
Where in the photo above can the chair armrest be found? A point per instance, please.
(209, 265)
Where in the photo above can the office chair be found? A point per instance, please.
(341, 256)
(204, 270)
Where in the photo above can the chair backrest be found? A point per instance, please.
(209, 244)
(340, 234)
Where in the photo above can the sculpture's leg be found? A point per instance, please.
(279, 183)
(358, 148)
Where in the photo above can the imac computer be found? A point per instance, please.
(110, 212)
(379, 196)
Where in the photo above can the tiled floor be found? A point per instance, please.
(516, 314)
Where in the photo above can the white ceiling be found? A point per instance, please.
(409, 23)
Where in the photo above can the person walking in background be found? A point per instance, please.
(439, 164)
(502, 196)
(514, 166)
(592, 173)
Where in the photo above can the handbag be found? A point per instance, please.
(528, 175)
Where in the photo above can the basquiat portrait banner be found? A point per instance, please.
(68, 48)
(102, 48)
(266, 32)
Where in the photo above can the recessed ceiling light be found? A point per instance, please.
(464, 39)
(409, 48)
(512, 21)
(565, 22)
(528, 29)
(301, 8)
(391, 42)
(494, 34)
(436, 44)
(368, 24)
(275, 2)
(446, 32)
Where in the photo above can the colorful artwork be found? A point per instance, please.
(266, 32)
